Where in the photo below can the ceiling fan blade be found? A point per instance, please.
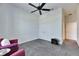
(46, 9)
(32, 5)
(33, 11)
(42, 5)
(40, 12)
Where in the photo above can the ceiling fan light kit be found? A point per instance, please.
(39, 8)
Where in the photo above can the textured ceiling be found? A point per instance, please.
(68, 7)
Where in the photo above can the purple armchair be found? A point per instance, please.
(13, 46)
(20, 52)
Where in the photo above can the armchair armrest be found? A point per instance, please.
(20, 52)
(9, 46)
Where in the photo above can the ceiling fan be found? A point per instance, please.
(39, 8)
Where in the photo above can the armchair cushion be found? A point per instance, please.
(13, 41)
(5, 42)
(13, 46)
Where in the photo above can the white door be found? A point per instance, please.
(71, 31)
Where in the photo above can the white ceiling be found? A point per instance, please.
(68, 7)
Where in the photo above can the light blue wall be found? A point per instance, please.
(16, 23)
(51, 25)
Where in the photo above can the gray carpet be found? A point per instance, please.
(44, 48)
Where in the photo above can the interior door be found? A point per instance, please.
(71, 31)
